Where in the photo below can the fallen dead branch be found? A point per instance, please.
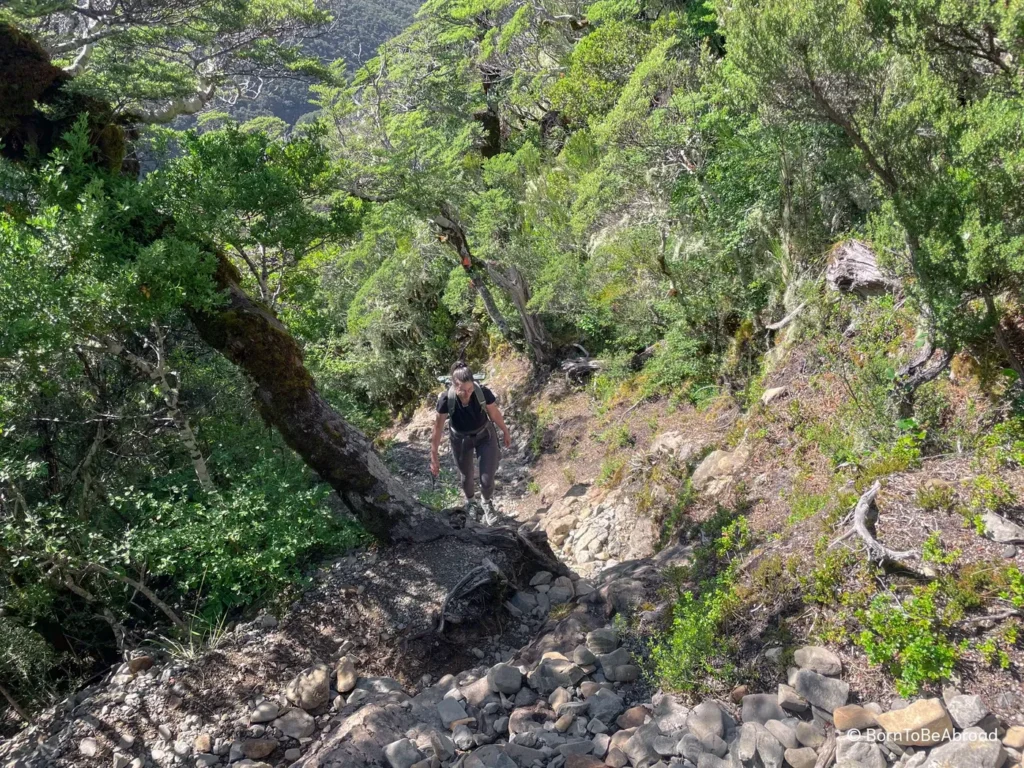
(864, 517)
(990, 617)
(786, 320)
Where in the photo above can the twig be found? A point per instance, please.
(991, 617)
(786, 320)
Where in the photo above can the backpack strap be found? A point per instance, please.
(481, 398)
(453, 400)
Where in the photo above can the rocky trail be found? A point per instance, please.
(535, 672)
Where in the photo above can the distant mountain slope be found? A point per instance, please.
(359, 28)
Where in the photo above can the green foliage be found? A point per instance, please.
(987, 493)
(695, 651)
(932, 551)
(446, 493)
(909, 638)
(268, 531)
(648, 187)
(936, 497)
(26, 661)
(1014, 590)
(899, 456)
(148, 52)
(600, 66)
(822, 584)
(804, 504)
(1004, 444)
(612, 469)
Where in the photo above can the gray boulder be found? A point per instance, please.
(810, 734)
(554, 673)
(295, 724)
(973, 750)
(450, 711)
(402, 754)
(705, 720)
(489, 756)
(1002, 530)
(867, 753)
(641, 745)
(504, 678)
(782, 732)
(761, 707)
(606, 705)
(804, 757)
(966, 710)
(669, 714)
(310, 688)
(602, 641)
(818, 659)
(825, 692)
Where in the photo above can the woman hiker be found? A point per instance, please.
(473, 416)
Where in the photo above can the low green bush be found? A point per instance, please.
(695, 651)
(240, 546)
(909, 638)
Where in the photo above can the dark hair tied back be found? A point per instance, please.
(461, 372)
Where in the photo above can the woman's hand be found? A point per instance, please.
(435, 464)
(508, 438)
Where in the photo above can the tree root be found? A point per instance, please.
(482, 575)
(863, 527)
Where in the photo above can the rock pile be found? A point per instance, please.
(570, 711)
(593, 528)
(573, 698)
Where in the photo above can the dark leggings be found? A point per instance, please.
(486, 448)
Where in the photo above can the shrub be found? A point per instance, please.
(239, 546)
(695, 651)
(822, 585)
(933, 552)
(1005, 443)
(612, 470)
(936, 497)
(909, 639)
(803, 505)
(1013, 592)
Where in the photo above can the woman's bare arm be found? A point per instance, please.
(496, 417)
(435, 443)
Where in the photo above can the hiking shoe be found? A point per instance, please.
(491, 516)
(472, 509)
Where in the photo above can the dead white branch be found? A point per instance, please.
(863, 526)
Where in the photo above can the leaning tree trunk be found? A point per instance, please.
(455, 237)
(35, 112)
(250, 335)
(513, 282)
(509, 279)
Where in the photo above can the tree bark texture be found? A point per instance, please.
(250, 335)
(455, 237)
(513, 282)
(509, 279)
